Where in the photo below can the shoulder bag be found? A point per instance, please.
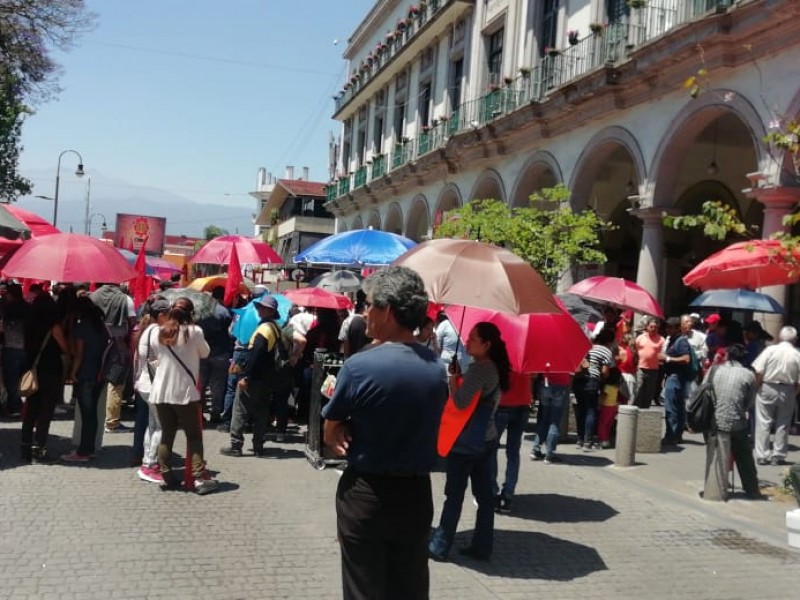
(700, 414)
(29, 382)
(183, 364)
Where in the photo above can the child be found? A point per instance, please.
(608, 407)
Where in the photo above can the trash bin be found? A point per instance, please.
(325, 363)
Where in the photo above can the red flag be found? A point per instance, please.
(234, 280)
(141, 284)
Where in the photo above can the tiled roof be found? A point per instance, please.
(300, 187)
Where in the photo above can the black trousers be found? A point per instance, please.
(383, 525)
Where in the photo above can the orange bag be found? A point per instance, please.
(453, 421)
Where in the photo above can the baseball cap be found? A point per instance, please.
(160, 305)
(268, 302)
(715, 318)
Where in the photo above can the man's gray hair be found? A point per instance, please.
(788, 334)
(402, 290)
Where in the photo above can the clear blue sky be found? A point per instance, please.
(193, 96)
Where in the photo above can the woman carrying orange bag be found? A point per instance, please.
(471, 456)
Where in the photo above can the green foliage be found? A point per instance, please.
(717, 220)
(12, 114)
(548, 234)
(213, 231)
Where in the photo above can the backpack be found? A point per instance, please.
(694, 366)
(282, 353)
(700, 414)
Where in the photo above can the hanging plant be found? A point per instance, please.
(413, 11)
(525, 71)
(401, 25)
(637, 3)
(572, 37)
(596, 28)
(390, 36)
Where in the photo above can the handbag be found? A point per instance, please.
(29, 382)
(452, 423)
(701, 412)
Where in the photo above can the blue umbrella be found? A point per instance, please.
(246, 319)
(131, 258)
(738, 300)
(357, 248)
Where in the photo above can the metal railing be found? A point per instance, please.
(611, 45)
(360, 178)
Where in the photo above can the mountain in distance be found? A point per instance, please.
(110, 196)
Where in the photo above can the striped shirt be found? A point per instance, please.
(482, 375)
(599, 357)
(735, 389)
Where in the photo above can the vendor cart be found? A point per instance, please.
(325, 364)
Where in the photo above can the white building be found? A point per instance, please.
(453, 100)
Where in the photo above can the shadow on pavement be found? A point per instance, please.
(586, 460)
(280, 453)
(532, 555)
(557, 508)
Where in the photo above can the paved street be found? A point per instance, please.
(583, 529)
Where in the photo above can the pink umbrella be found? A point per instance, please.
(618, 292)
(68, 257)
(536, 343)
(318, 298)
(251, 251)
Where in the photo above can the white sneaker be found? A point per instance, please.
(205, 486)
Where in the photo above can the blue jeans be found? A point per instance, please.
(674, 406)
(139, 425)
(214, 376)
(513, 420)
(552, 400)
(460, 469)
(586, 412)
(13, 362)
(87, 394)
(230, 387)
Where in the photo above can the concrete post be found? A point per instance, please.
(651, 253)
(625, 455)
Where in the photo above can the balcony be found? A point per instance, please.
(412, 35)
(556, 69)
(360, 178)
(324, 225)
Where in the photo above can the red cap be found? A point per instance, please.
(715, 318)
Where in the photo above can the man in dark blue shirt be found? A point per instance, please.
(677, 359)
(384, 416)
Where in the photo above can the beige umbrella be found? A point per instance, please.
(471, 273)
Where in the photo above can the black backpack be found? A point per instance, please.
(700, 415)
(283, 348)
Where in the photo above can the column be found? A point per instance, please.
(778, 202)
(651, 254)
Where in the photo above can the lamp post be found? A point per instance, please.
(103, 225)
(79, 172)
(86, 211)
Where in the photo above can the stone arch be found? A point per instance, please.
(541, 170)
(374, 220)
(418, 220)
(488, 186)
(357, 223)
(789, 174)
(393, 222)
(610, 144)
(449, 199)
(695, 118)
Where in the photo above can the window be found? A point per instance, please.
(548, 31)
(616, 10)
(425, 103)
(495, 55)
(456, 75)
(399, 118)
(377, 135)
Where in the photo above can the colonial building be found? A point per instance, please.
(292, 213)
(453, 100)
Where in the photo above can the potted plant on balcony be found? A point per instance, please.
(637, 3)
(426, 128)
(508, 80)
(552, 52)
(525, 72)
(401, 25)
(390, 36)
(596, 28)
(493, 87)
(572, 37)
(413, 12)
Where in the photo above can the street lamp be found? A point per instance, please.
(86, 211)
(79, 172)
(103, 225)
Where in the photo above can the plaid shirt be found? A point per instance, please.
(735, 388)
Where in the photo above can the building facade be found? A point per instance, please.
(453, 100)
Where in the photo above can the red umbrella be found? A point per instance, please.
(251, 251)
(751, 265)
(318, 298)
(68, 257)
(470, 273)
(35, 224)
(619, 292)
(540, 343)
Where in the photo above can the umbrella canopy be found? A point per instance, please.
(318, 298)
(536, 343)
(360, 247)
(11, 227)
(750, 265)
(337, 281)
(206, 284)
(580, 309)
(68, 257)
(204, 304)
(37, 225)
(737, 300)
(163, 269)
(618, 292)
(251, 251)
(470, 273)
(247, 319)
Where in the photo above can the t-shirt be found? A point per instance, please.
(357, 334)
(648, 349)
(94, 343)
(394, 412)
(680, 347)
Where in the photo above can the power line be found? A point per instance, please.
(144, 187)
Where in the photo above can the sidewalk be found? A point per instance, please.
(584, 529)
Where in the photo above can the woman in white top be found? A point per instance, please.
(180, 346)
(146, 364)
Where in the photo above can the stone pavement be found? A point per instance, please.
(583, 529)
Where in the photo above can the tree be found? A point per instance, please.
(548, 234)
(717, 220)
(29, 29)
(213, 231)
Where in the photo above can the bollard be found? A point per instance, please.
(627, 418)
